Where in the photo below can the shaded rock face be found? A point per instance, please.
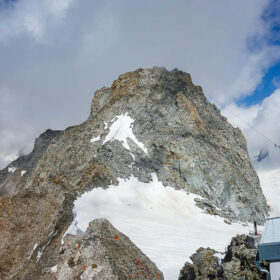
(238, 263)
(10, 177)
(103, 253)
(174, 132)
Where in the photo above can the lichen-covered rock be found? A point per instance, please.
(103, 253)
(238, 263)
(174, 132)
(206, 263)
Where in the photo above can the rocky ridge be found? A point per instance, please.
(103, 253)
(173, 132)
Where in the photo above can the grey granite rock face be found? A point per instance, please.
(177, 134)
(103, 253)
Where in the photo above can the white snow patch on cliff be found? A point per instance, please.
(12, 169)
(22, 172)
(163, 222)
(121, 129)
(54, 269)
(94, 139)
(39, 256)
(34, 248)
(270, 183)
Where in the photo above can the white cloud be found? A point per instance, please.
(252, 72)
(30, 17)
(15, 134)
(260, 124)
(241, 117)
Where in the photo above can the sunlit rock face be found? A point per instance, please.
(149, 121)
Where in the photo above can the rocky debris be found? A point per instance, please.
(238, 263)
(103, 253)
(173, 132)
(209, 207)
(11, 176)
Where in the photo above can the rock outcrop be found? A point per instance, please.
(238, 263)
(103, 253)
(10, 177)
(148, 121)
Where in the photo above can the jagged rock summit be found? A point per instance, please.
(238, 263)
(149, 121)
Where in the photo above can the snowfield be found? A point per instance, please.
(163, 222)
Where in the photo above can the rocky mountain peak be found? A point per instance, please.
(191, 145)
(150, 122)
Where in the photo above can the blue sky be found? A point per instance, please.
(270, 82)
(271, 77)
(7, 2)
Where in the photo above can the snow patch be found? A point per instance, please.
(95, 139)
(163, 222)
(22, 172)
(121, 129)
(54, 269)
(50, 236)
(219, 257)
(39, 256)
(12, 169)
(34, 248)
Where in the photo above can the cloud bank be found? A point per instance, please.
(260, 125)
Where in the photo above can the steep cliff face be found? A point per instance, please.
(148, 121)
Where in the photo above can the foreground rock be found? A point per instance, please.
(103, 253)
(238, 263)
(149, 121)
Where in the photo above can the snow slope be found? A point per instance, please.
(270, 183)
(163, 222)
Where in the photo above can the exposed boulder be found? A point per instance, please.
(238, 263)
(103, 253)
